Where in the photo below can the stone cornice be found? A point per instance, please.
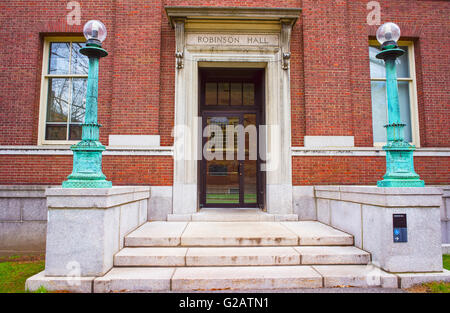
(168, 151)
(363, 151)
(289, 15)
(65, 150)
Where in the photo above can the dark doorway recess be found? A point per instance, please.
(231, 176)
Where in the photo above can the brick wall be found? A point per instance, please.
(136, 78)
(54, 169)
(331, 170)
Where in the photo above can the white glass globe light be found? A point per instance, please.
(388, 32)
(94, 30)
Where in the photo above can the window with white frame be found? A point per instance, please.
(63, 90)
(406, 93)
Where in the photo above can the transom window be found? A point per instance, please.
(63, 93)
(229, 93)
(406, 93)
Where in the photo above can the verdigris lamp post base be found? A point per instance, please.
(87, 166)
(391, 182)
(386, 182)
(400, 167)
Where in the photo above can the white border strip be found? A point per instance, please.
(363, 151)
(65, 150)
(168, 151)
(329, 141)
(148, 141)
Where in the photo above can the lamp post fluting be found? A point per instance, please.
(399, 153)
(87, 154)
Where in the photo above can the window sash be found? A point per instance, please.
(65, 76)
(45, 81)
(399, 79)
(68, 121)
(380, 110)
(414, 119)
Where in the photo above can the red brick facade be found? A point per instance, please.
(330, 84)
(330, 170)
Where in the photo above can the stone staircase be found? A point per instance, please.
(247, 252)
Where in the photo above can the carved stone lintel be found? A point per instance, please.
(285, 43)
(179, 36)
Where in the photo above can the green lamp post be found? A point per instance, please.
(87, 154)
(399, 153)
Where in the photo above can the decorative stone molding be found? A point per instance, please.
(286, 29)
(179, 37)
(197, 12)
(233, 37)
(266, 20)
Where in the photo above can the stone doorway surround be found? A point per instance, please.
(232, 37)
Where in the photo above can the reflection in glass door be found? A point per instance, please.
(250, 164)
(230, 159)
(222, 170)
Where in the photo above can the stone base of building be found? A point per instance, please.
(446, 248)
(368, 212)
(23, 219)
(87, 228)
(23, 213)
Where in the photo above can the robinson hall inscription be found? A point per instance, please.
(232, 39)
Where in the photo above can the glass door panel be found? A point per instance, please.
(231, 178)
(222, 182)
(250, 163)
(222, 165)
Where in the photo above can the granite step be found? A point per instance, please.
(313, 233)
(240, 256)
(327, 255)
(237, 234)
(186, 279)
(245, 278)
(198, 234)
(232, 215)
(156, 234)
(152, 279)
